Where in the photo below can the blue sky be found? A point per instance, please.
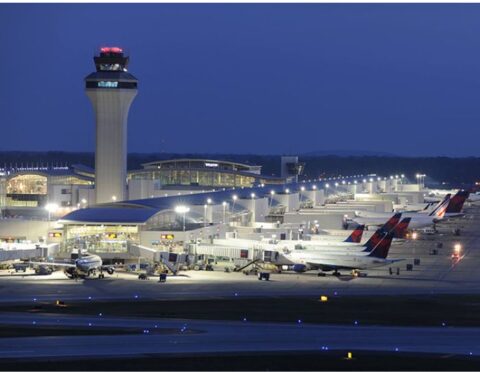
(249, 78)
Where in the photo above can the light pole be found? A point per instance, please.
(224, 204)
(252, 195)
(51, 208)
(209, 210)
(234, 198)
(272, 192)
(204, 215)
(183, 210)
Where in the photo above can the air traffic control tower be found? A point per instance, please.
(111, 90)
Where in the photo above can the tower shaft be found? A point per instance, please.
(111, 114)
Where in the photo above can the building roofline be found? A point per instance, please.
(201, 160)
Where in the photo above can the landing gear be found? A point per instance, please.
(101, 276)
(336, 273)
(70, 273)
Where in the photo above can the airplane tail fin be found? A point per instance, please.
(378, 235)
(356, 235)
(456, 203)
(391, 223)
(400, 230)
(440, 209)
(382, 248)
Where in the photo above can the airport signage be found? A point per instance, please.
(55, 234)
(112, 236)
(107, 84)
(167, 236)
(211, 165)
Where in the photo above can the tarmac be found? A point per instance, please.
(434, 274)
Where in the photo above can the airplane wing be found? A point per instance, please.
(60, 264)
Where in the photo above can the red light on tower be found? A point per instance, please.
(115, 50)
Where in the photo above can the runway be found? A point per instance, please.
(227, 337)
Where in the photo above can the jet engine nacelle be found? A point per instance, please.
(299, 268)
(110, 270)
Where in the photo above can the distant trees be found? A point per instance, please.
(441, 169)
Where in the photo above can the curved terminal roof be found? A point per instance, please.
(139, 211)
(111, 215)
(207, 163)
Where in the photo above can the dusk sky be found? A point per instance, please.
(249, 78)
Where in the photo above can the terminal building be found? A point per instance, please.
(168, 177)
(31, 188)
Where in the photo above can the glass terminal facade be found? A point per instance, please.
(100, 238)
(202, 172)
(31, 188)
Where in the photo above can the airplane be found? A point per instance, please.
(417, 220)
(455, 205)
(84, 266)
(305, 260)
(367, 246)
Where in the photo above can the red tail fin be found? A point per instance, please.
(356, 235)
(382, 248)
(400, 230)
(456, 203)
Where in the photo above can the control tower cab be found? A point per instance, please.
(111, 90)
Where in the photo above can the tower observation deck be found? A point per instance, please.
(111, 89)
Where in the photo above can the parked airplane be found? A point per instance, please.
(84, 266)
(417, 220)
(455, 205)
(304, 260)
(400, 230)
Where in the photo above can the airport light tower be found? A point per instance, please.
(111, 90)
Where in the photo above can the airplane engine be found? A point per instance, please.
(110, 270)
(299, 268)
